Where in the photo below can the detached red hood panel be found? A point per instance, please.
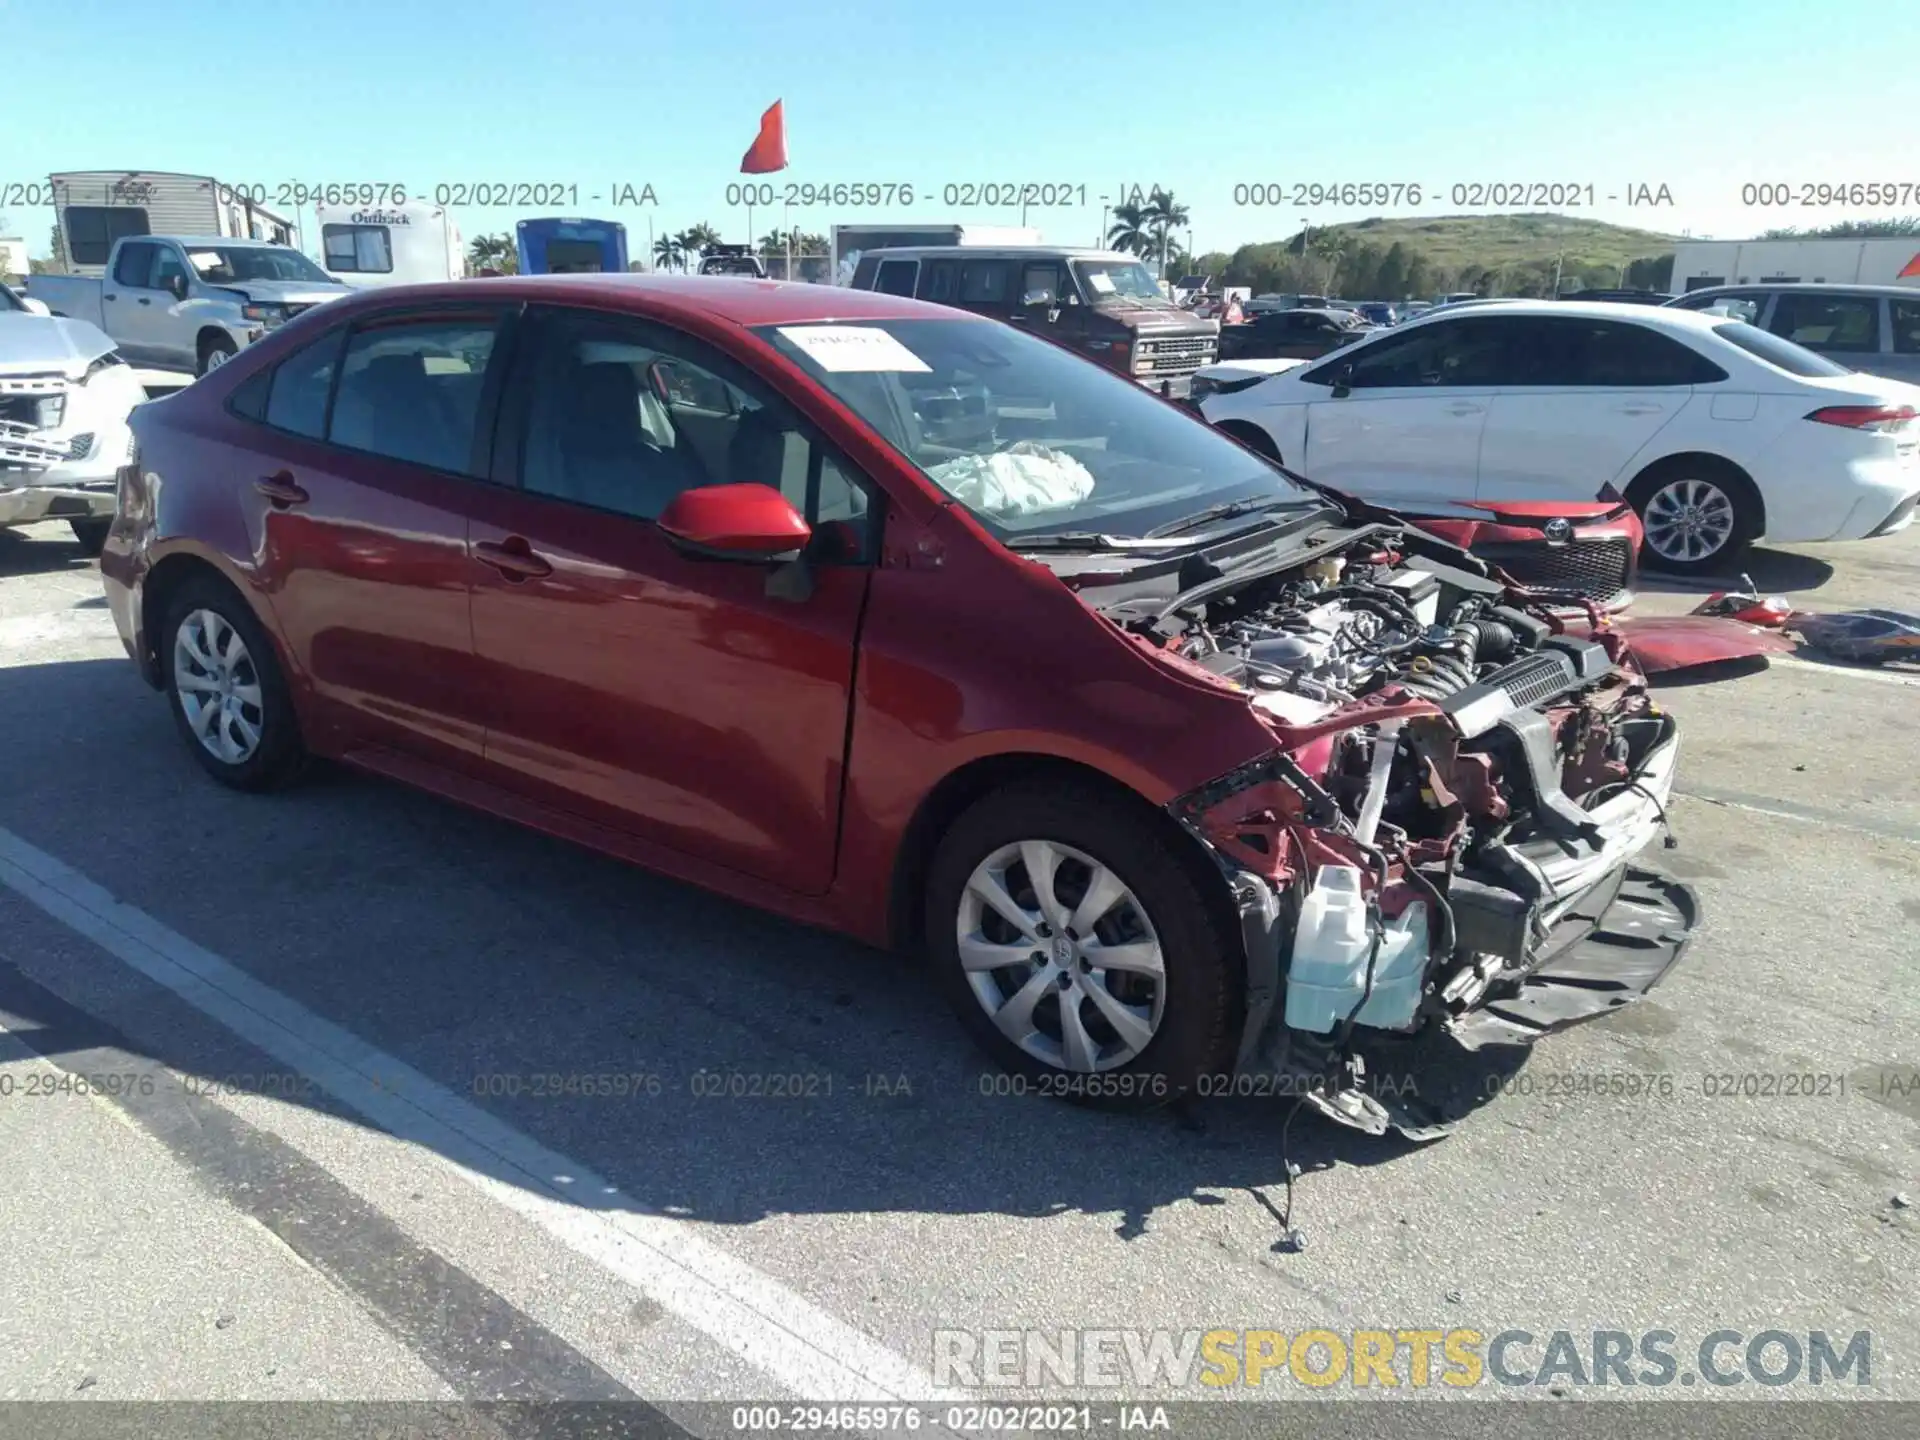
(1673, 642)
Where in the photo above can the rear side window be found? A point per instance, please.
(297, 397)
(1906, 326)
(1781, 354)
(410, 389)
(134, 265)
(1608, 353)
(1743, 306)
(1457, 353)
(897, 277)
(1843, 324)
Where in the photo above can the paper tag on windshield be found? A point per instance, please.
(850, 349)
(206, 259)
(1099, 283)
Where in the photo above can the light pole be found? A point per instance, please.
(1100, 241)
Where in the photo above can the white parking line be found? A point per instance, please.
(770, 1327)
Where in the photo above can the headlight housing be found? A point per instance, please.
(104, 362)
(263, 314)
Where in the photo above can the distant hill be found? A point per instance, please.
(1422, 255)
(1512, 239)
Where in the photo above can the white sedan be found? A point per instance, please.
(1718, 433)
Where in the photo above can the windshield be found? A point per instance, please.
(1778, 352)
(8, 300)
(1115, 282)
(224, 265)
(1030, 438)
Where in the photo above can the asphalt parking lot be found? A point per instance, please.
(333, 1166)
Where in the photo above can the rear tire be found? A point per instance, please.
(237, 714)
(1699, 516)
(91, 533)
(1081, 1013)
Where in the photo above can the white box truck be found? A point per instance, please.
(1698, 264)
(850, 240)
(370, 245)
(92, 209)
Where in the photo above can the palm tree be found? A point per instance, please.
(667, 254)
(493, 252)
(1129, 230)
(1164, 215)
(696, 240)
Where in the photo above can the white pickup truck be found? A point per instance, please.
(174, 302)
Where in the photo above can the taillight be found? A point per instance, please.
(1886, 419)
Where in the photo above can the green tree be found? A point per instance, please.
(1129, 233)
(667, 254)
(1390, 276)
(1162, 216)
(493, 252)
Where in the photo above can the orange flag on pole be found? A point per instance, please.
(769, 149)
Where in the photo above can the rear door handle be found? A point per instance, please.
(513, 558)
(1639, 409)
(145, 301)
(279, 487)
(1461, 407)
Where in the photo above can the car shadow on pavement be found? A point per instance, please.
(796, 1072)
(1773, 572)
(42, 551)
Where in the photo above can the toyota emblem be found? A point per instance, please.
(1559, 531)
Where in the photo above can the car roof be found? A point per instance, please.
(738, 300)
(995, 252)
(1812, 287)
(230, 241)
(1657, 316)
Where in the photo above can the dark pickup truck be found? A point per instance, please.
(1098, 303)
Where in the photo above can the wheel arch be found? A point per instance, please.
(163, 582)
(1253, 435)
(1650, 474)
(970, 782)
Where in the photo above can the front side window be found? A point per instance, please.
(409, 388)
(624, 416)
(940, 281)
(166, 267)
(357, 249)
(1848, 324)
(1043, 283)
(1741, 305)
(1029, 437)
(1444, 353)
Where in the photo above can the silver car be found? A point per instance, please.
(1871, 328)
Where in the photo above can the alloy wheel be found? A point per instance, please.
(218, 686)
(1062, 956)
(1687, 521)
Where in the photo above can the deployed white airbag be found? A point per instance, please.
(1023, 479)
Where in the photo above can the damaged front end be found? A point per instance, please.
(1437, 857)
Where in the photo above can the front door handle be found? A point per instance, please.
(145, 301)
(1639, 409)
(513, 558)
(109, 297)
(1461, 407)
(280, 488)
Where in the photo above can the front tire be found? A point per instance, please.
(1078, 952)
(229, 700)
(215, 352)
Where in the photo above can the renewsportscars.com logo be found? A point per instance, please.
(1459, 1358)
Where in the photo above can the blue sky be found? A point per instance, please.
(1698, 95)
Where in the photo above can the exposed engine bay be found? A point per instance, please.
(1441, 841)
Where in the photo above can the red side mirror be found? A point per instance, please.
(734, 522)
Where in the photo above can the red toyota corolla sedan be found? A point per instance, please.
(900, 621)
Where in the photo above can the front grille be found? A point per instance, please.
(22, 448)
(35, 411)
(1174, 355)
(80, 447)
(1597, 569)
